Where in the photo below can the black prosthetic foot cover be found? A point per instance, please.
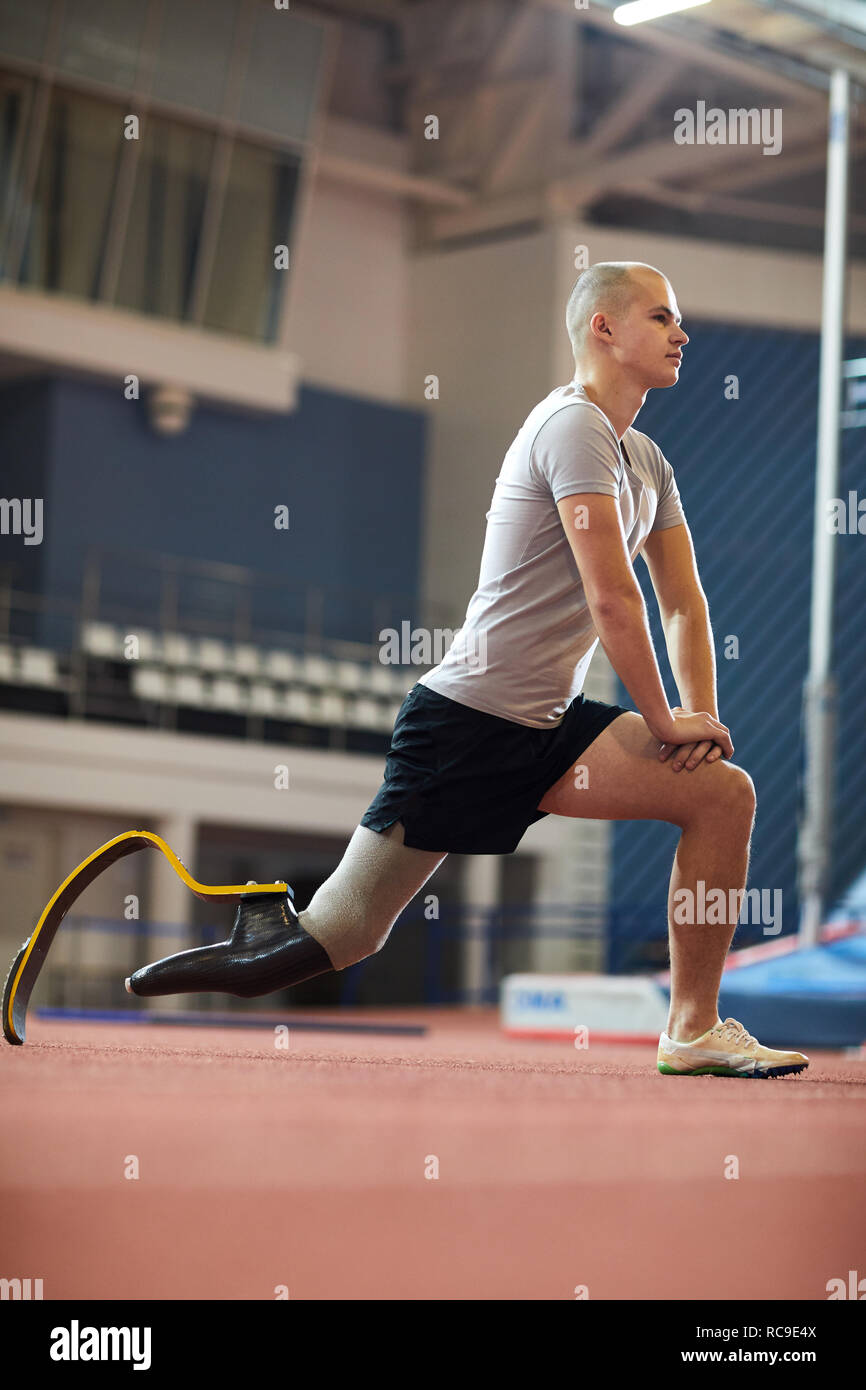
(267, 950)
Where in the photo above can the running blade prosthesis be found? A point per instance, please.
(25, 968)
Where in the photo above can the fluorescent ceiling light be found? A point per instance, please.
(639, 10)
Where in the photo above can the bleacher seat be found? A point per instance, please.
(330, 709)
(263, 699)
(209, 673)
(150, 683)
(102, 639)
(36, 666)
(212, 655)
(148, 647)
(402, 682)
(363, 713)
(298, 705)
(316, 671)
(280, 666)
(349, 676)
(177, 650)
(381, 680)
(227, 693)
(190, 689)
(245, 659)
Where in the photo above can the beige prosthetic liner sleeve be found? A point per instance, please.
(352, 913)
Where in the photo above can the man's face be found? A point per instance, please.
(648, 340)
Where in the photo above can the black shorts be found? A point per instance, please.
(465, 782)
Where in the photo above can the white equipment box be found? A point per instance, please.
(610, 1007)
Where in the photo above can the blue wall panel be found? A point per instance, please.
(349, 470)
(24, 471)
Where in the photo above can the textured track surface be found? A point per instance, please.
(304, 1166)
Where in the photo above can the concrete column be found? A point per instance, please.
(169, 902)
(574, 870)
(481, 891)
(573, 873)
(94, 957)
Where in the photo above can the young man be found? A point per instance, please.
(487, 742)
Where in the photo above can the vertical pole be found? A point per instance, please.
(814, 848)
(481, 892)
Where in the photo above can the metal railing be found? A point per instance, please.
(156, 597)
(425, 962)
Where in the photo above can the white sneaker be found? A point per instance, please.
(726, 1049)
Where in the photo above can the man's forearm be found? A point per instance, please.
(689, 641)
(623, 631)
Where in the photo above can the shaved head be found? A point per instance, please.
(607, 287)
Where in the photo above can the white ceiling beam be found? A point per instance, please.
(523, 135)
(790, 164)
(664, 38)
(512, 41)
(659, 159)
(372, 158)
(387, 180)
(746, 208)
(622, 116)
(505, 210)
(827, 15)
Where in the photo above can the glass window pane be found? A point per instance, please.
(246, 289)
(23, 27)
(74, 187)
(282, 73)
(100, 39)
(16, 104)
(162, 234)
(195, 47)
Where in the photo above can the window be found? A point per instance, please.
(182, 221)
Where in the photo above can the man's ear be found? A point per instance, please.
(599, 329)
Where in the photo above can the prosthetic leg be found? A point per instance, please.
(267, 950)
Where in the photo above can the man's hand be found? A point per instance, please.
(693, 738)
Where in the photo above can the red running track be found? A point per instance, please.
(304, 1167)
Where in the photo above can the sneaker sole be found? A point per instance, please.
(770, 1072)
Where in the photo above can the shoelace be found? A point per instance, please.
(735, 1031)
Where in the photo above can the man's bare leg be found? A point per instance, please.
(714, 805)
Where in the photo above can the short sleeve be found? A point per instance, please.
(576, 451)
(669, 508)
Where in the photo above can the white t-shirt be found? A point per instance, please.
(528, 638)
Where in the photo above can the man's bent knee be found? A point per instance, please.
(731, 792)
(741, 790)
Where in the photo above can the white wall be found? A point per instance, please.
(348, 301)
(480, 322)
(107, 769)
